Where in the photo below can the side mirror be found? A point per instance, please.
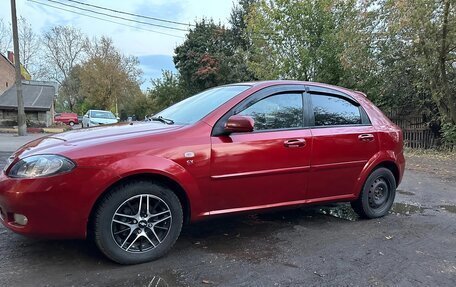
(239, 124)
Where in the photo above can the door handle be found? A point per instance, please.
(366, 137)
(294, 143)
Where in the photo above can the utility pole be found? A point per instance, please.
(21, 125)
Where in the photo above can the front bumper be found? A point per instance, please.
(56, 206)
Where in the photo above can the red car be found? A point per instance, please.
(67, 118)
(235, 148)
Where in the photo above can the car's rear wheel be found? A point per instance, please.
(71, 124)
(377, 195)
(138, 222)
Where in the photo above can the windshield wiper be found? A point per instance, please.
(163, 120)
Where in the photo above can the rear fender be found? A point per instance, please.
(374, 161)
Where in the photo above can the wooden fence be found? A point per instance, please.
(417, 133)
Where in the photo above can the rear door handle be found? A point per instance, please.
(366, 137)
(294, 143)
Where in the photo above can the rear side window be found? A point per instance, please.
(334, 111)
(282, 111)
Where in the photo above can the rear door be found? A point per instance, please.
(343, 141)
(268, 166)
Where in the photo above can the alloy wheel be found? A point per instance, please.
(141, 223)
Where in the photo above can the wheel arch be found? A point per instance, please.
(381, 159)
(392, 166)
(177, 188)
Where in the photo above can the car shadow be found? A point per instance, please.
(224, 235)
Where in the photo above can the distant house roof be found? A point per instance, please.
(38, 96)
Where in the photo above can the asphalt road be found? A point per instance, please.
(415, 245)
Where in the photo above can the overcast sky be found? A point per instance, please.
(153, 50)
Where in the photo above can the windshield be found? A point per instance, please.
(198, 106)
(102, 115)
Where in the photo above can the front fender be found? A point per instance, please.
(147, 164)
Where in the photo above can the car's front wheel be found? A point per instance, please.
(137, 222)
(377, 195)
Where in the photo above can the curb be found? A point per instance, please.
(33, 130)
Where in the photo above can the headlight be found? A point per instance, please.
(41, 165)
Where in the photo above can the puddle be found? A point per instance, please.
(404, 192)
(342, 211)
(406, 209)
(449, 208)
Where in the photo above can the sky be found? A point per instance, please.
(154, 50)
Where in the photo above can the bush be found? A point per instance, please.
(449, 134)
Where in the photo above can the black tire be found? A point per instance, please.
(377, 195)
(124, 196)
(71, 123)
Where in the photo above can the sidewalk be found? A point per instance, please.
(11, 142)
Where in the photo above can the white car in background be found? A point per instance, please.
(98, 117)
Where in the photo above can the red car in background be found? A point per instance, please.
(67, 118)
(235, 148)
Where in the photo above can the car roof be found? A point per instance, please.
(268, 83)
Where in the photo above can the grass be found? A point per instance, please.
(431, 153)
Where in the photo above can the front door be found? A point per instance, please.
(266, 167)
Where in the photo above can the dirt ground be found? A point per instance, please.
(415, 245)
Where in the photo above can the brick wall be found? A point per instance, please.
(7, 73)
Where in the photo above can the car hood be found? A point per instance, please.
(59, 143)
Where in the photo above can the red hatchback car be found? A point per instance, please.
(67, 118)
(230, 149)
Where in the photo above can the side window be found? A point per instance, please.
(280, 111)
(333, 111)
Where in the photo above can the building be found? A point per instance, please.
(38, 96)
(7, 74)
(38, 104)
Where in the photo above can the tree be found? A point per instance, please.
(29, 46)
(238, 21)
(108, 78)
(71, 95)
(5, 37)
(166, 91)
(210, 57)
(65, 47)
(30, 50)
(297, 39)
(404, 55)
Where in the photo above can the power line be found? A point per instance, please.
(106, 20)
(131, 14)
(271, 35)
(119, 17)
